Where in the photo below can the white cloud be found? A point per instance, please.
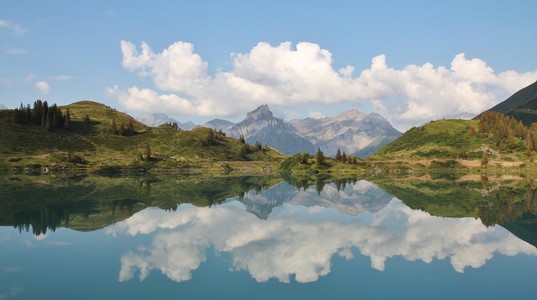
(5, 82)
(30, 77)
(290, 237)
(15, 29)
(43, 87)
(16, 51)
(285, 77)
(316, 115)
(61, 77)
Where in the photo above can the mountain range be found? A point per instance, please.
(353, 132)
(157, 119)
(350, 199)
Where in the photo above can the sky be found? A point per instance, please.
(410, 61)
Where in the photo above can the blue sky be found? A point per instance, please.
(411, 61)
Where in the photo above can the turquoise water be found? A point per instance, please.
(359, 242)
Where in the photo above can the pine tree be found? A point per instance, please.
(319, 157)
(16, 117)
(243, 152)
(241, 139)
(344, 157)
(87, 118)
(304, 158)
(338, 155)
(211, 139)
(67, 120)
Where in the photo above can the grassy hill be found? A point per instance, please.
(505, 140)
(91, 145)
(438, 139)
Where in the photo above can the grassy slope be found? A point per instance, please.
(23, 145)
(450, 139)
(438, 139)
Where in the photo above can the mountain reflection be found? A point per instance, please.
(302, 235)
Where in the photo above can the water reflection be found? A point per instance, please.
(301, 240)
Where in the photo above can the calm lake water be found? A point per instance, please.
(251, 238)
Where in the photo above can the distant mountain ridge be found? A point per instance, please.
(157, 119)
(261, 126)
(351, 131)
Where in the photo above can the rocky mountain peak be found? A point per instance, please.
(261, 113)
(352, 114)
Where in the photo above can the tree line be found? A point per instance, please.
(507, 132)
(48, 117)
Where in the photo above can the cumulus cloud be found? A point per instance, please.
(15, 29)
(285, 77)
(43, 87)
(290, 238)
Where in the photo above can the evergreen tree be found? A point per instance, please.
(304, 158)
(241, 139)
(44, 115)
(338, 155)
(87, 118)
(67, 120)
(319, 157)
(344, 157)
(211, 139)
(243, 152)
(16, 117)
(28, 113)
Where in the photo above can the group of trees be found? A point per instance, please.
(48, 117)
(320, 158)
(508, 132)
(174, 125)
(213, 137)
(344, 158)
(122, 129)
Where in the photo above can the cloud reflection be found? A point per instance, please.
(302, 241)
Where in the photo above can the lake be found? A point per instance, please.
(191, 237)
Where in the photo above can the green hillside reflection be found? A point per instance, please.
(87, 203)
